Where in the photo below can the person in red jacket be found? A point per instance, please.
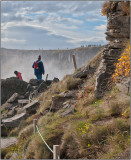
(18, 75)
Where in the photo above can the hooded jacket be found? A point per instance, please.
(40, 70)
(19, 76)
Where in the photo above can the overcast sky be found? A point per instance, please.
(52, 25)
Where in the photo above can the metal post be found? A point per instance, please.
(56, 151)
(34, 123)
(74, 61)
(46, 77)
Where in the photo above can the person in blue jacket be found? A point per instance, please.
(38, 68)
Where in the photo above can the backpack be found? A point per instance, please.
(36, 65)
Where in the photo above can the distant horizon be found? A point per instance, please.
(51, 24)
(54, 49)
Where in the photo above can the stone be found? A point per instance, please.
(7, 142)
(55, 80)
(11, 113)
(35, 82)
(84, 73)
(14, 121)
(42, 87)
(10, 86)
(67, 112)
(22, 102)
(4, 131)
(6, 106)
(14, 155)
(13, 98)
(30, 108)
(68, 105)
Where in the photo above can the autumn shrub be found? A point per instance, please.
(105, 8)
(123, 66)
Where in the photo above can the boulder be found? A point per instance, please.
(13, 98)
(55, 80)
(4, 131)
(6, 142)
(11, 113)
(35, 82)
(10, 86)
(6, 106)
(14, 121)
(84, 72)
(30, 108)
(42, 87)
(68, 111)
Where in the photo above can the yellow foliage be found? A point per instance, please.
(123, 65)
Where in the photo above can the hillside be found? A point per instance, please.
(87, 113)
(83, 126)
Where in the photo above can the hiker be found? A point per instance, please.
(18, 75)
(38, 68)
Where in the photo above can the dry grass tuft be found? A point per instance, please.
(26, 132)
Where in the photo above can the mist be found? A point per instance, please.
(57, 63)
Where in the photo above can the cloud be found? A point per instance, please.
(101, 28)
(5, 40)
(51, 23)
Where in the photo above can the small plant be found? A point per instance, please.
(84, 127)
(123, 66)
(98, 102)
(105, 8)
(126, 113)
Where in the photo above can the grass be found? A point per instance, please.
(115, 108)
(68, 83)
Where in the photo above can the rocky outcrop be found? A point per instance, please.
(14, 121)
(5, 143)
(118, 33)
(10, 86)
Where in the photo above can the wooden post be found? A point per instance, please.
(34, 123)
(74, 61)
(52, 103)
(46, 77)
(56, 152)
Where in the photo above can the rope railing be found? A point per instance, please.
(56, 148)
(44, 140)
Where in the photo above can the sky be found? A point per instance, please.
(51, 24)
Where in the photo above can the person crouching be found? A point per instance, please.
(18, 75)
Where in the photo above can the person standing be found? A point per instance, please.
(38, 68)
(18, 75)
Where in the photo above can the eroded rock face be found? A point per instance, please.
(118, 32)
(10, 86)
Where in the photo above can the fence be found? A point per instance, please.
(56, 148)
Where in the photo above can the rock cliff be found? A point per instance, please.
(118, 33)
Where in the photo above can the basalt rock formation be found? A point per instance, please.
(118, 33)
(10, 86)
